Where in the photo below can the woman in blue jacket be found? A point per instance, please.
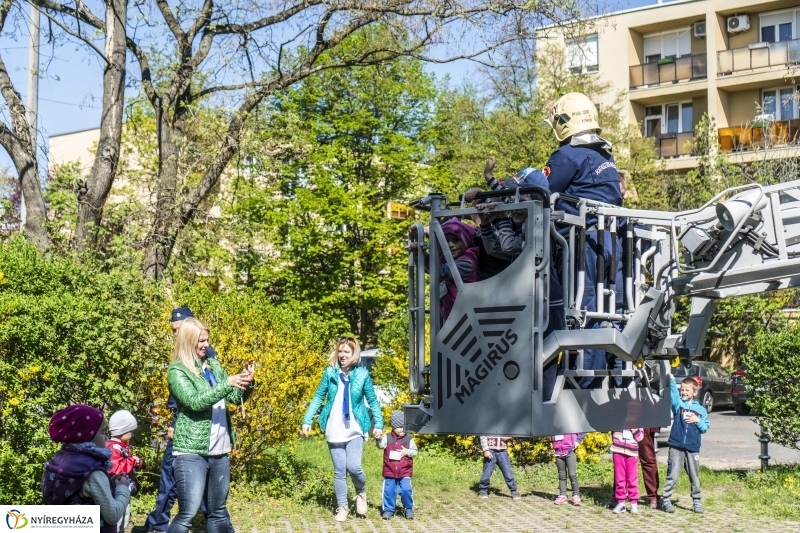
(345, 420)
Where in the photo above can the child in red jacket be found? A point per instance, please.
(121, 426)
(399, 450)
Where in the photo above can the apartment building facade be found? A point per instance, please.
(733, 59)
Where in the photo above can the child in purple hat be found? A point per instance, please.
(459, 236)
(78, 473)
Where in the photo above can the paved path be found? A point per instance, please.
(731, 443)
(532, 513)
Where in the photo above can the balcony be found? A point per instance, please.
(760, 135)
(673, 144)
(671, 70)
(758, 56)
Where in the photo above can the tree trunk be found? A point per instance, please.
(104, 169)
(22, 149)
(162, 239)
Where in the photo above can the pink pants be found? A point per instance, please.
(626, 477)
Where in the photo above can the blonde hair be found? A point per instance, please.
(186, 339)
(353, 344)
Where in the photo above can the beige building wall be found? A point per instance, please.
(74, 146)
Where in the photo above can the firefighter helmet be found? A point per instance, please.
(572, 114)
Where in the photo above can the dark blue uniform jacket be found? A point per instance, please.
(586, 171)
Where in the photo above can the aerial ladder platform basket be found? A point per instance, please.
(480, 371)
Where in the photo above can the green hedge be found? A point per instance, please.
(76, 333)
(69, 333)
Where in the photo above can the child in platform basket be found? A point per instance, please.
(625, 454)
(398, 466)
(564, 447)
(121, 426)
(495, 452)
(459, 236)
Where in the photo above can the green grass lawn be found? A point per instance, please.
(296, 483)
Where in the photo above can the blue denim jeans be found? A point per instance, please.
(158, 520)
(199, 477)
(501, 460)
(390, 486)
(346, 458)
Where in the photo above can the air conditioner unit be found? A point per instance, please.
(738, 23)
(700, 29)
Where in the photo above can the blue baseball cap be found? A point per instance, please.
(181, 313)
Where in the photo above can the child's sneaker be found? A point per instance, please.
(409, 514)
(667, 506)
(387, 516)
(698, 507)
(620, 508)
(576, 500)
(634, 508)
(561, 498)
(515, 495)
(341, 514)
(483, 494)
(654, 504)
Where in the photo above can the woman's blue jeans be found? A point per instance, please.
(196, 477)
(346, 458)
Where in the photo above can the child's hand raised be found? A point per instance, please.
(489, 168)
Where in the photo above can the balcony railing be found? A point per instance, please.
(760, 135)
(680, 69)
(759, 55)
(674, 144)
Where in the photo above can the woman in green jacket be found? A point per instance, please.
(345, 420)
(203, 433)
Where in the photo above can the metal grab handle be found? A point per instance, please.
(416, 309)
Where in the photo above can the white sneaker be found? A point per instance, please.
(620, 508)
(634, 508)
(341, 514)
(361, 504)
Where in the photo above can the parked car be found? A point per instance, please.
(739, 392)
(368, 358)
(714, 382)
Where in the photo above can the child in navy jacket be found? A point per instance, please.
(690, 420)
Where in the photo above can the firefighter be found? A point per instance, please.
(583, 167)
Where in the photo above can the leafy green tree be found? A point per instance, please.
(354, 140)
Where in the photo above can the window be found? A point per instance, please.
(777, 26)
(780, 103)
(669, 118)
(676, 43)
(582, 54)
(652, 120)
